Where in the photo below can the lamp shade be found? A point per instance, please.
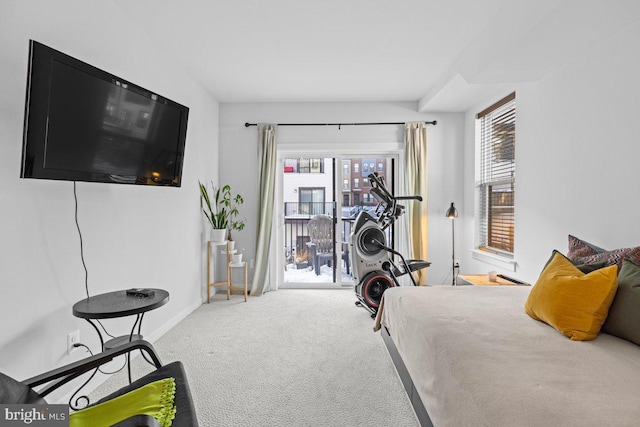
(452, 212)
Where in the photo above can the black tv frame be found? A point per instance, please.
(41, 58)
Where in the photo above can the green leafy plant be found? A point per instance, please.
(220, 207)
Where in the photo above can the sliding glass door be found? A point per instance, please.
(321, 198)
(309, 220)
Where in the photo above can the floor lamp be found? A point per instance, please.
(452, 213)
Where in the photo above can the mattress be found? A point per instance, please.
(477, 359)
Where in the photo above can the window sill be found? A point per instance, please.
(497, 260)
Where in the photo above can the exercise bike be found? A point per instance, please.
(372, 263)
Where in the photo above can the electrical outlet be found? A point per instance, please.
(72, 338)
(252, 263)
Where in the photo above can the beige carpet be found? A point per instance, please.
(288, 358)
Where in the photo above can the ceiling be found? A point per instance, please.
(442, 54)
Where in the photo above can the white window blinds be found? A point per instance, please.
(495, 183)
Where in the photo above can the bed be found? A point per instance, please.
(471, 356)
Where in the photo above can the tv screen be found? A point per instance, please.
(84, 124)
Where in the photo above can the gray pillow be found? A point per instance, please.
(585, 268)
(623, 320)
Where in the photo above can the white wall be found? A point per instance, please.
(133, 235)
(577, 150)
(238, 155)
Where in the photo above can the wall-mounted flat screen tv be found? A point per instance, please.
(84, 124)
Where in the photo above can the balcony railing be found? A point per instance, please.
(308, 209)
(296, 235)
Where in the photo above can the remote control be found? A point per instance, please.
(140, 292)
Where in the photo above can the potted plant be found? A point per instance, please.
(234, 222)
(236, 258)
(220, 207)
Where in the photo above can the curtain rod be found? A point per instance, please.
(435, 122)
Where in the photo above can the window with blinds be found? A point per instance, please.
(495, 181)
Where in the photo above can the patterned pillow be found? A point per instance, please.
(579, 248)
(614, 257)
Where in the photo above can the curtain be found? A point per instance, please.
(266, 187)
(415, 137)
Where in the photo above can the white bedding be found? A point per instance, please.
(477, 359)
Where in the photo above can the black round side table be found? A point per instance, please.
(119, 304)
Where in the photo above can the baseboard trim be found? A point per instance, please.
(166, 327)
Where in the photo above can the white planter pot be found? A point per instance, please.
(232, 245)
(236, 258)
(219, 235)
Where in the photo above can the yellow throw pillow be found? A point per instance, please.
(574, 303)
